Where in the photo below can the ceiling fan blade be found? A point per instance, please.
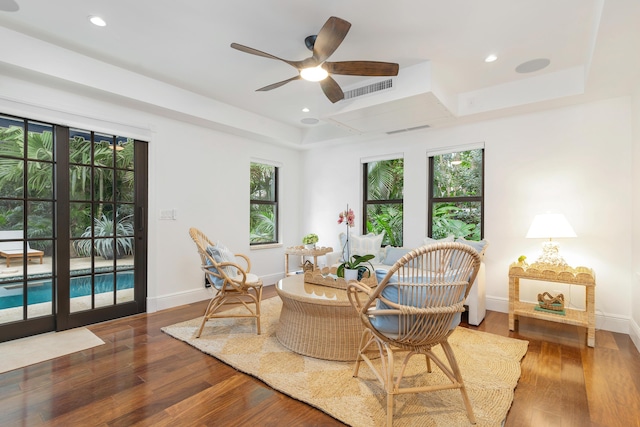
(361, 68)
(252, 51)
(331, 89)
(329, 38)
(277, 85)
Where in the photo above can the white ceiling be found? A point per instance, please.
(593, 47)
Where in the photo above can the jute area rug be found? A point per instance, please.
(38, 348)
(490, 366)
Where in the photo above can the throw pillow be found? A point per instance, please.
(221, 253)
(479, 246)
(437, 264)
(393, 254)
(364, 245)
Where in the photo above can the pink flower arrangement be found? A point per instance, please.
(347, 217)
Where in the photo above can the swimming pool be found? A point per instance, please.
(39, 292)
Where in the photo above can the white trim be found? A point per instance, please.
(73, 119)
(265, 162)
(634, 333)
(456, 149)
(392, 156)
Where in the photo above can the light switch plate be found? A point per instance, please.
(167, 214)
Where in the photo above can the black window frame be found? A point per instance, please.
(366, 202)
(431, 200)
(274, 203)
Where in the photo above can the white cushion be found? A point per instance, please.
(365, 245)
(429, 240)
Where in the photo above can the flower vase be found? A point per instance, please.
(350, 274)
(310, 246)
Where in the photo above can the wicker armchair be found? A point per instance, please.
(416, 306)
(234, 285)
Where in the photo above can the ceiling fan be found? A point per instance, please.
(317, 68)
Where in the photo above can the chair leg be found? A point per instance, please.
(211, 308)
(390, 386)
(258, 301)
(448, 351)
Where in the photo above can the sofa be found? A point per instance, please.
(386, 256)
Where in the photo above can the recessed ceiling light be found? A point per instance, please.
(305, 110)
(533, 65)
(309, 121)
(97, 21)
(490, 58)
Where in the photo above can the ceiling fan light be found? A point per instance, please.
(314, 74)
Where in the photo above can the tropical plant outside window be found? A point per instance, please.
(456, 198)
(263, 216)
(383, 199)
(40, 183)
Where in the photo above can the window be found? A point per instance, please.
(383, 188)
(263, 204)
(456, 197)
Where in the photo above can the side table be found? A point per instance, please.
(301, 251)
(574, 276)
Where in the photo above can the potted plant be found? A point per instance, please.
(103, 242)
(354, 268)
(310, 240)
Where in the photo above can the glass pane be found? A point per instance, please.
(104, 249)
(11, 215)
(40, 219)
(127, 261)
(124, 286)
(39, 297)
(263, 182)
(103, 184)
(125, 153)
(458, 174)
(458, 219)
(40, 258)
(104, 289)
(263, 223)
(385, 179)
(81, 252)
(40, 180)
(11, 177)
(103, 154)
(11, 298)
(80, 294)
(80, 219)
(79, 147)
(388, 218)
(79, 182)
(40, 141)
(11, 137)
(125, 186)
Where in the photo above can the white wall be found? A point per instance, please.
(635, 293)
(574, 160)
(201, 173)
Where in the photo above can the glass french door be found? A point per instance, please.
(72, 227)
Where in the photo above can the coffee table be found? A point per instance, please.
(317, 321)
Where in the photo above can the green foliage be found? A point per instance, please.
(385, 181)
(310, 239)
(262, 219)
(354, 263)
(104, 227)
(262, 224)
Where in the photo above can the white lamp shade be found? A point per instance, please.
(548, 226)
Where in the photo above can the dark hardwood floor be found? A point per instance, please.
(144, 377)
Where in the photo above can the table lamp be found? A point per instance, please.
(550, 226)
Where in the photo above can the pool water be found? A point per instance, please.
(39, 292)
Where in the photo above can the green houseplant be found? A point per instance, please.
(310, 239)
(356, 262)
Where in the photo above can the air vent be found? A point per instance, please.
(365, 90)
(408, 129)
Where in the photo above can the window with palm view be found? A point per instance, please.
(456, 196)
(383, 199)
(263, 204)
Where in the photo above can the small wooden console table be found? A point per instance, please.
(574, 276)
(301, 251)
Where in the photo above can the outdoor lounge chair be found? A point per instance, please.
(15, 249)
